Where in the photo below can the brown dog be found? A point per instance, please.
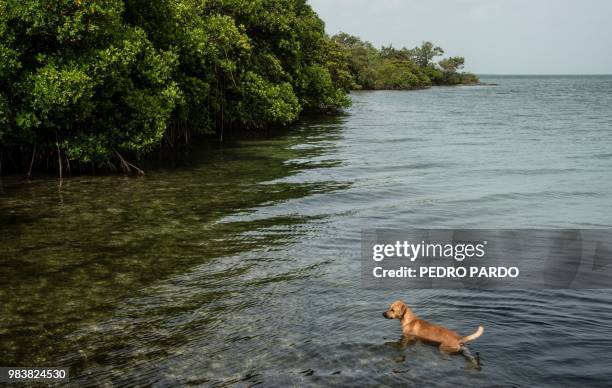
(413, 327)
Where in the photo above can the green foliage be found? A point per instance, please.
(400, 75)
(85, 81)
(450, 72)
(4, 116)
(361, 57)
(89, 80)
(391, 68)
(95, 78)
(452, 64)
(262, 102)
(424, 55)
(289, 44)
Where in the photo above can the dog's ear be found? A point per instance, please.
(402, 310)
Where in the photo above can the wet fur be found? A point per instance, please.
(415, 328)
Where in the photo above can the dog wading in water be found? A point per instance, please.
(415, 328)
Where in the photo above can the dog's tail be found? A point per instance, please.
(472, 337)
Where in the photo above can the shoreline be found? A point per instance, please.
(426, 88)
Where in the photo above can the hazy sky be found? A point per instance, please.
(494, 36)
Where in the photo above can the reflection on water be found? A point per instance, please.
(244, 267)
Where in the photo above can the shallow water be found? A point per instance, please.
(243, 268)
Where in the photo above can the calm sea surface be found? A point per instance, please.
(243, 267)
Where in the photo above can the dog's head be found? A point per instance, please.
(397, 310)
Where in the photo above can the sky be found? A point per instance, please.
(494, 36)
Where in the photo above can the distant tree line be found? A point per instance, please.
(96, 83)
(391, 68)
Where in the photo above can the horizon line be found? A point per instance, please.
(545, 74)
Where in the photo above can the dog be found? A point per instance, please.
(415, 328)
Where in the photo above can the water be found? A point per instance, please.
(243, 267)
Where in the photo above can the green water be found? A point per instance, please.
(72, 252)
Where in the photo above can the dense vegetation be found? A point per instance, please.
(100, 82)
(390, 68)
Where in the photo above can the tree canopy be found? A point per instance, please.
(391, 68)
(90, 79)
(87, 81)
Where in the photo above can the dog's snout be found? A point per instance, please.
(385, 315)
